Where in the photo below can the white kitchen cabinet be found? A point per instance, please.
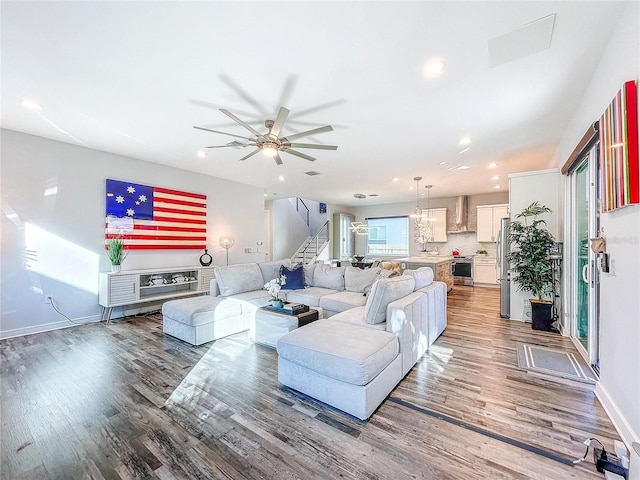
(485, 271)
(437, 218)
(488, 221)
(140, 286)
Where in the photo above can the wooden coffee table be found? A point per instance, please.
(270, 325)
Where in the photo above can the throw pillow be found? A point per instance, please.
(360, 280)
(271, 270)
(326, 276)
(385, 291)
(423, 276)
(294, 277)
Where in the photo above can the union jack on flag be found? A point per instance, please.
(155, 218)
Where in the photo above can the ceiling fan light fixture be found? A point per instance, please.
(270, 150)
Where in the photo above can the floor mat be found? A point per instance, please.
(554, 362)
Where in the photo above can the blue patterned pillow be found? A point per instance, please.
(295, 277)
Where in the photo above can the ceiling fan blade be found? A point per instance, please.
(240, 122)
(283, 113)
(235, 143)
(277, 158)
(251, 154)
(314, 145)
(299, 154)
(326, 128)
(225, 133)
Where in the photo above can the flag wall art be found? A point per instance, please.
(155, 218)
(619, 172)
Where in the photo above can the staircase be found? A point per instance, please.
(312, 246)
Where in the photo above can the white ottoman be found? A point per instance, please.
(269, 326)
(198, 320)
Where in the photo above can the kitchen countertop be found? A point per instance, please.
(432, 259)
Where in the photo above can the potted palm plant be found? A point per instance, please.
(529, 259)
(116, 253)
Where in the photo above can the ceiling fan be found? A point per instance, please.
(270, 143)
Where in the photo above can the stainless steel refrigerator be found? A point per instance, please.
(502, 249)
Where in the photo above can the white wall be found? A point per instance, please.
(619, 386)
(289, 230)
(69, 226)
(542, 186)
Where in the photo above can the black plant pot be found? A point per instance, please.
(541, 315)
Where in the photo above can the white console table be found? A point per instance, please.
(141, 286)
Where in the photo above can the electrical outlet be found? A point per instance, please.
(48, 298)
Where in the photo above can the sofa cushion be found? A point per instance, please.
(423, 276)
(294, 277)
(308, 296)
(359, 280)
(356, 317)
(257, 298)
(243, 277)
(308, 274)
(196, 311)
(383, 292)
(341, 301)
(271, 270)
(326, 276)
(343, 351)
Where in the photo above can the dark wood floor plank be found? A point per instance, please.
(126, 401)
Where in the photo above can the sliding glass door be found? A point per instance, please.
(584, 280)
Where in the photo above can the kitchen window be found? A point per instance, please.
(388, 236)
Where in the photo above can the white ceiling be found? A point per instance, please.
(132, 78)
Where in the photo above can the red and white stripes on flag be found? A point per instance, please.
(177, 220)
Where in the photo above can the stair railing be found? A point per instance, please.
(310, 250)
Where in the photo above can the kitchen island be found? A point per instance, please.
(440, 264)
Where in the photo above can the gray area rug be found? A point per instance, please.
(557, 363)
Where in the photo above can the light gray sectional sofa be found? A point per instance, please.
(377, 327)
(355, 358)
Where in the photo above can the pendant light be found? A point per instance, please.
(417, 212)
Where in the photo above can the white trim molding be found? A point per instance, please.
(622, 426)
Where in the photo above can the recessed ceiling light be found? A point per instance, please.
(465, 150)
(266, 195)
(411, 188)
(442, 163)
(396, 179)
(281, 178)
(463, 167)
(497, 186)
(493, 165)
(434, 68)
(31, 104)
(201, 154)
(495, 178)
(464, 141)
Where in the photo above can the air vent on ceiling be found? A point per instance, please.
(359, 195)
(373, 194)
(312, 173)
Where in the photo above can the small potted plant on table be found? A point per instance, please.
(529, 260)
(116, 253)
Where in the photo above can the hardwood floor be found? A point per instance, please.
(125, 401)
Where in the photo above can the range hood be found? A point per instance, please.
(462, 215)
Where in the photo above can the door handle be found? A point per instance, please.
(584, 273)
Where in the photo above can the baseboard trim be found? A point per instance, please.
(47, 327)
(617, 418)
